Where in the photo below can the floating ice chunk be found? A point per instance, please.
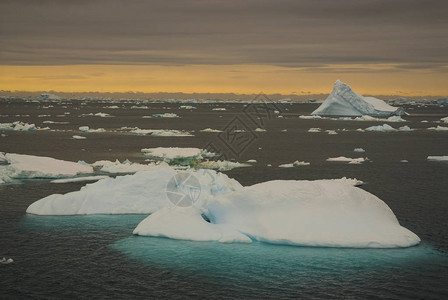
(347, 159)
(438, 158)
(344, 102)
(312, 117)
(438, 128)
(403, 161)
(405, 128)
(444, 120)
(165, 115)
(187, 224)
(100, 114)
(382, 128)
(18, 126)
(177, 156)
(359, 150)
(78, 137)
(116, 167)
(20, 166)
(112, 107)
(252, 161)
(219, 108)
(221, 165)
(5, 261)
(424, 121)
(80, 179)
(54, 122)
(321, 213)
(331, 131)
(314, 130)
(139, 107)
(294, 164)
(284, 130)
(87, 129)
(160, 132)
(210, 130)
(186, 107)
(260, 130)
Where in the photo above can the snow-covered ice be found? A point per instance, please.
(79, 137)
(20, 166)
(80, 179)
(359, 150)
(294, 164)
(160, 132)
(382, 128)
(314, 130)
(165, 115)
(438, 157)
(438, 128)
(187, 224)
(210, 130)
(344, 102)
(19, 126)
(347, 159)
(176, 155)
(87, 129)
(327, 213)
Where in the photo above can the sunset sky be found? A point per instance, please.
(395, 47)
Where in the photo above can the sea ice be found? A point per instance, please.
(438, 128)
(87, 129)
(78, 137)
(165, 115)
(80, 179)
(314, 130)
(294, 164)
(347, 159)
(210, 130)
(382, 128)
(359, 150)
(438, 158)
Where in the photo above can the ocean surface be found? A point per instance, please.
(97, 256)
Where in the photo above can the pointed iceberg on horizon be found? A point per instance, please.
(343, 101)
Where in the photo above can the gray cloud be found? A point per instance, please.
(289, 33)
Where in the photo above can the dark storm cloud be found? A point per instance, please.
(286, 33)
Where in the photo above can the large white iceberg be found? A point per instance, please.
(344, 102)
(324, 213)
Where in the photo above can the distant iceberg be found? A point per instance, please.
(344, 102)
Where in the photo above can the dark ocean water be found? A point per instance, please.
(97, 256)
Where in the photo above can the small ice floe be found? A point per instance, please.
(160, 132)
(165, 115)
(176, 155)
(54, 122)
(381, 128)
(403, 161)
(80, 179)
(139, 107)
(438, 158)
(186, 107)
(359, 150)
(424, 121)
(405, 128)
(438, 128)
(20, 166)
(19, 126)
(444, 120)
(284, 130)
(79, 137)
(210, 130)
(42, 116)
(314, 130)
(268, 165)
(112, 107)
(350, 181)
(252, 161)
(349, 160)
(219, 108)
(87, 129)
(5, 261)
(315, 117)
(116, 167)
(147, 117)
(331, 131)
(100, 114)
(360, 130)
(221, 165)
(260, 130)
(294, 164)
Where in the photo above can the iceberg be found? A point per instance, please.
(326, 213)
(346, 103)
(18, 126)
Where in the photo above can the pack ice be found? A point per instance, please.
(343, 101)
(326, 213)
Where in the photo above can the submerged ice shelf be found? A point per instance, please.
(327, 213)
